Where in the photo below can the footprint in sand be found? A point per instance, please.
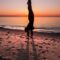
(46, 38)
(40, 47)
(9, 41)
(0, 42)
(1, 39)
(43, 52)
(58, 56)
(8, 37)
(44, 58)
(36, 44)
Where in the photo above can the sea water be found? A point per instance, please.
(41, 24)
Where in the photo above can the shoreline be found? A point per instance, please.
(1, 28)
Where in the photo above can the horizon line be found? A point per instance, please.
(27, 15)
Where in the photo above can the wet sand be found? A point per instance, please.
(15, 46)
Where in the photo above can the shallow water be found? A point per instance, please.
(43, 24)
(38, 22)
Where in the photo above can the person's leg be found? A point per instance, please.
(27, 34)
(31, 33)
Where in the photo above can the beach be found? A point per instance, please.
(15, 46)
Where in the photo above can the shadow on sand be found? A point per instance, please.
(34, 50)
(23, 54)
(1, 58)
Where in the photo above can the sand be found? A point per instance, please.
(15, 46)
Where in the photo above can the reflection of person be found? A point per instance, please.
(29, 28)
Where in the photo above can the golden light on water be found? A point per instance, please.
(38, 21)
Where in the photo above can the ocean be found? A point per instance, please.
(41, 24)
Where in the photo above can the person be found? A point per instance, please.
(30, 27)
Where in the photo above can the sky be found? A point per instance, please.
(40, 7)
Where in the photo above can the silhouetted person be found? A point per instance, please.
(29, 28)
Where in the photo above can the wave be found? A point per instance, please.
(47, 30)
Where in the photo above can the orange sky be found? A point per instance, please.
(40, 8)
(25, 12)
